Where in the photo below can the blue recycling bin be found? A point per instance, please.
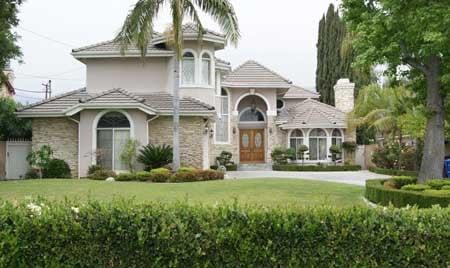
(447, 168)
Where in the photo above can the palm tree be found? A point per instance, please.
(138, 30)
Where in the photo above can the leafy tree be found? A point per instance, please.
(41, 158)
(10, 125)
(8, 38)
(128, 154)
(412, 33)
(138, 29)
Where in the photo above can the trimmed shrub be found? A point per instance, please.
(94, 168)
(400, 181)
(377, 193)
(56, 168)
(102, 174)
(438, 192)
(229, 167)
(184, 176)
(446, 187)
(415, 187)
(31, 174)
(209, 175)
(143, 176)
(123, 234)
(437, 184)
(393, 172)
(155, 156)
(295, 167)
(160, 175)
(126, 177)
(187, 169)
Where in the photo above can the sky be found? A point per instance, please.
(281, 35)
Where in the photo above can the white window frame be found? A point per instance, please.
(211, 69)
(196, 69)
(303, 137)
(94, 132)
(337, 137)
(228, 141)
(326, 137)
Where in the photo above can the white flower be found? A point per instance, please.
(35, 209)
(75, 210)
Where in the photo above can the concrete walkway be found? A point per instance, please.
(348, 177)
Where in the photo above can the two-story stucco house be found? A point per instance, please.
(248, 111)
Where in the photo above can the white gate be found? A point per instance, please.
(16, 158)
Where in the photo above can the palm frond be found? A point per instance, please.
(138, 26)
(191, 11)
(223, 13)
(176, 9)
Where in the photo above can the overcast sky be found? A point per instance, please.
(279, 34)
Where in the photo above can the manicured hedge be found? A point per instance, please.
(232, 167)
(393, 172)
(295, 167)
(121, 234)
(377, 193)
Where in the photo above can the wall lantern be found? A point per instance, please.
(234, 130)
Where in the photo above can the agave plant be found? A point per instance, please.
(155, 156)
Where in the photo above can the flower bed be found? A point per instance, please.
(392, 191)
(393, 172)
(295, 167)
(123, 234)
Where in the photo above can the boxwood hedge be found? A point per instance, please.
(296, 167)
(377, 193)
(123, 234)
(393, 172)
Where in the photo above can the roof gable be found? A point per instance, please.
(296, 92)
(311, 113)
(252, 74)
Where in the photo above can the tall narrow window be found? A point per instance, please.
(296, 140)
(317, 144)
(206, 69)
(336, 139)
(222, 124)
(188, 69)
(113, 130)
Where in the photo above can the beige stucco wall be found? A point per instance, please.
(62, 135)
(191, 137)
(87, 132)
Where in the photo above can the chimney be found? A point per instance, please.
(344, 95)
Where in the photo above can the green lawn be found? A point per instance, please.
(267, 192)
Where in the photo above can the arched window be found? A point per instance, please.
(296, 140)
(251, 115)
(336, 139)
(317, 144)
(206, 69)
(188, 69)
(222, 124)
(113, 131)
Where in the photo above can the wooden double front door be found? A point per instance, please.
(251, 144)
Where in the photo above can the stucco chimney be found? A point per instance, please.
(344, 95)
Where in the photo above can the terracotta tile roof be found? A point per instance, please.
(296, 92)
(161, 102)
(311, 113)
(252, 74)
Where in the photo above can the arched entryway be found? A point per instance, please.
(252, 129)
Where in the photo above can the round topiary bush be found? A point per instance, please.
(56, 168)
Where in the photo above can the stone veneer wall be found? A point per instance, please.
(191, 137)
(62, 135)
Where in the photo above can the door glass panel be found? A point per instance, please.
(120, 138)
(245, 140)
(322, 149)
(313, 153)
(258, 140)
(104, 148)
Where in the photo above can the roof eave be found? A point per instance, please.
(92, 106)
(115, 54)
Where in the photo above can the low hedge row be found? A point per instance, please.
(232, 167)
(393, 172)
(296, 167)
(122, 234)
(164, 175)
(377, 193)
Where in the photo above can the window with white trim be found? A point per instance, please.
(317, 144)
(188, 69)
(113, 131)
(295, 140)
(336, 139)
(222, 124)
(206, 69)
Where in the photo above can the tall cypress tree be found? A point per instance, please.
(332, 64)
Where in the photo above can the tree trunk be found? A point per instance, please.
(434, 147)
(176, 116)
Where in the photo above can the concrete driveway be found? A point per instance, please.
(348, 177)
